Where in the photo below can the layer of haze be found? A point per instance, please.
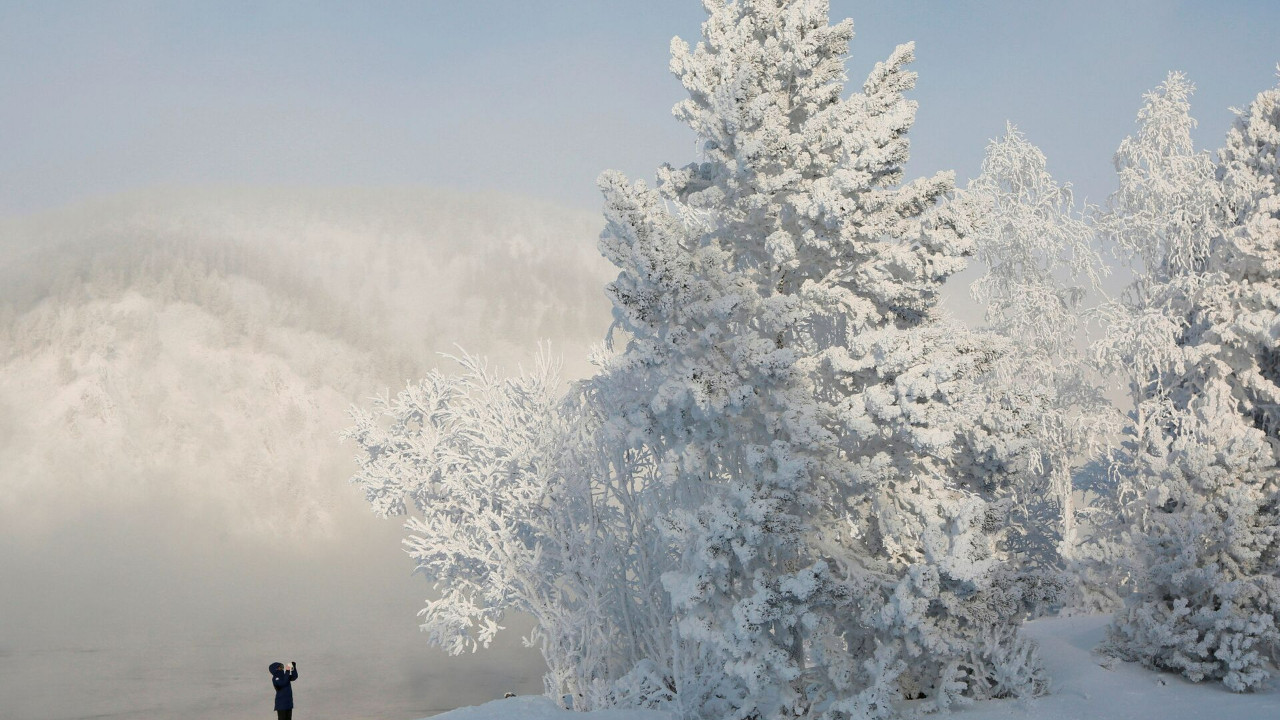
(175, 360)
(538, 98)
(174, 370)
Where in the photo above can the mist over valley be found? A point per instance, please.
(174, 371)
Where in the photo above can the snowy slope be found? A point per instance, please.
(1083, 689)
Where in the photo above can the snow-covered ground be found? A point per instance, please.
(540, 708)
(1085, 687)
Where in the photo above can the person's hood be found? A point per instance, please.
(276, 668)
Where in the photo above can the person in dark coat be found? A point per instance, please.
(282, 677)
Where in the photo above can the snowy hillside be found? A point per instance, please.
(200, 352)
(1085, 687)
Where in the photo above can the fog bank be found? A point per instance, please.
(174, 371)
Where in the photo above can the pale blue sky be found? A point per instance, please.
(537, 98)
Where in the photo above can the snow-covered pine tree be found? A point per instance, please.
(784, 366)
(1207, 601)
(1244, 316)
(1208, 597)
(1041, 263)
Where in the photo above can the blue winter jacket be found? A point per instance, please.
(282, 681)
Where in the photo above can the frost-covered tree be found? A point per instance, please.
(772, 500)
(1160, 221)
(1243, 316)
(1203, 463)
(1041, 263)
(1208, 597)
(505, 485)
(783, 365)
(1167, 205)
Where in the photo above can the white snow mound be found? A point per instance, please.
(541, 708)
